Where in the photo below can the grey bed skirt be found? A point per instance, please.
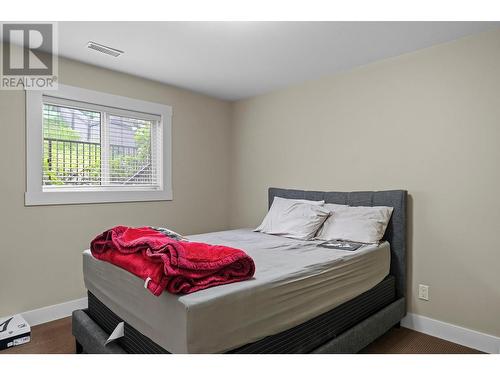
(90, 337)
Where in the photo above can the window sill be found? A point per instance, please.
(43, 198)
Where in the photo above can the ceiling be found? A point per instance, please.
(236, 60)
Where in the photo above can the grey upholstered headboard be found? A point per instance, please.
(396, 230)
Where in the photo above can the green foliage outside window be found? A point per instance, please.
(68, 160)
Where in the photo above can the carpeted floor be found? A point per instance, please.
(55, 337)
(406, 341)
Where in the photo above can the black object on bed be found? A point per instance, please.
(341, 245)
(345, 329)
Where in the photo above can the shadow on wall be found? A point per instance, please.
(409, 249)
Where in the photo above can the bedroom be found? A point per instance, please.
(393, 125)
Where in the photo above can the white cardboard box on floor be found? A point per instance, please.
(14, 330)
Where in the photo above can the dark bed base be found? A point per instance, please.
(334, 331)
(90, 337)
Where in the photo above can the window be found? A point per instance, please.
(83, 147)
(82, 152)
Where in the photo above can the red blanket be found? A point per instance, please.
(165, 263)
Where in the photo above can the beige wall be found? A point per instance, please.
(40, 256)
(428, 122)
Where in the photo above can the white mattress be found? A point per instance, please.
(294, 281)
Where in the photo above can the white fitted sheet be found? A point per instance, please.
(294, 281)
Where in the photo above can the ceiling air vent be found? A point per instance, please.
(104, 49)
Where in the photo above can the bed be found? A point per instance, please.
(303, 298)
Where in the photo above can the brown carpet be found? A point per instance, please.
(49, 338)
(55, 337)
(405, 341)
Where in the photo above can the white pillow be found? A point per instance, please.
(294, 218)
(334, 207)
(316, 203)
(358, 224)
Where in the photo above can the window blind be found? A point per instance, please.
(90, 146)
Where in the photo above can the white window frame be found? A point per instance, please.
(36, 194)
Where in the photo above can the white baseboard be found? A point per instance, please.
(54, 312)
(446, 331)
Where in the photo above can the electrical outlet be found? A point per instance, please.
(423, 292)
